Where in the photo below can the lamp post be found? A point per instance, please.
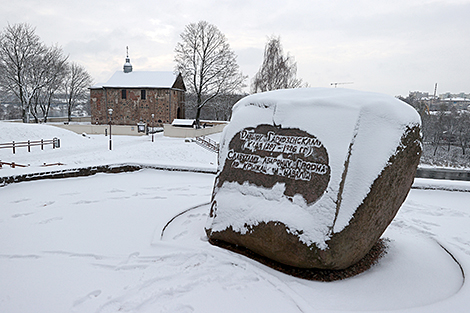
(110, 113)
(153, 115)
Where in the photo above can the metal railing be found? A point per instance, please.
(55, 142)
(208, 143)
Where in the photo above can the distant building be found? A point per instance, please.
(135, 96)
(459, 101)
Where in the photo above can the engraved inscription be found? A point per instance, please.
(267, 154)
(279, 166)
(278, 143)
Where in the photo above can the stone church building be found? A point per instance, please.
(135, 96)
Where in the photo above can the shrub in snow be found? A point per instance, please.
(312, 177)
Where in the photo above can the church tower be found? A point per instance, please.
(127, 66)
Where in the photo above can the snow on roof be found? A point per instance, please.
(183, 122)
(140, 79)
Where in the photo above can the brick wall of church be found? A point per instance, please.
(129, 107)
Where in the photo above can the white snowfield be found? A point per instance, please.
(135, 242)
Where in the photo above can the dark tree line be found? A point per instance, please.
(219, 109)
(444, 129)
(34, 75)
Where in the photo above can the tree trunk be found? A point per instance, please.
(436, 142)
(69, 113)
(198, 114)
(46, 113)
(198, 111)
(35, 114)
(24, 115)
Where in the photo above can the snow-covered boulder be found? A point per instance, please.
(312, 177)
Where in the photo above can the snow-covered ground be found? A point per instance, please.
(80, 151)
(134, 242)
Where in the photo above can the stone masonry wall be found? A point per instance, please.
(165, 104)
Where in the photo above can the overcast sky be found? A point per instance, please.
(384, 46)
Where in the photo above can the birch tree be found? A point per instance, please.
(277, 71)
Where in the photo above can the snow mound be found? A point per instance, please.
(23, 132)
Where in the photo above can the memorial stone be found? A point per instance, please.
(312, 177)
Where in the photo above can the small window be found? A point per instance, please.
(123, 94)
(143, 94)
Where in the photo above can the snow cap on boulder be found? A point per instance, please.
(312, 177)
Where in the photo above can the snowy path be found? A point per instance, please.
(93, 244)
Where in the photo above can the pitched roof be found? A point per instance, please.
(141, 79)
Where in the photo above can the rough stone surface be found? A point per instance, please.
(287, 168)
(258, 161)
(379, 250)
(378, 209)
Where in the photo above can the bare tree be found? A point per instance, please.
(427, 122)
(463, 130)
(11, 109)
(20, 51)
(207, 64)
(277, 71)
(75, 86)
(51, 72)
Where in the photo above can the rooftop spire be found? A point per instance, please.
(127, 66)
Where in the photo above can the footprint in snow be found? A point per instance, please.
(131, 257)
(116, 190)
(178, 308)
(138, 194)
(24, 256)
(180, 235)
(158, 198)
(21, 200)
(85, 201)
(51, 220)
(89, 296)
(21, 214)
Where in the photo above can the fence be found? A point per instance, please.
(207, 143)
(12, 164)
(55, 142)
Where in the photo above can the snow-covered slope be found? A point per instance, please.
(82, 151)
